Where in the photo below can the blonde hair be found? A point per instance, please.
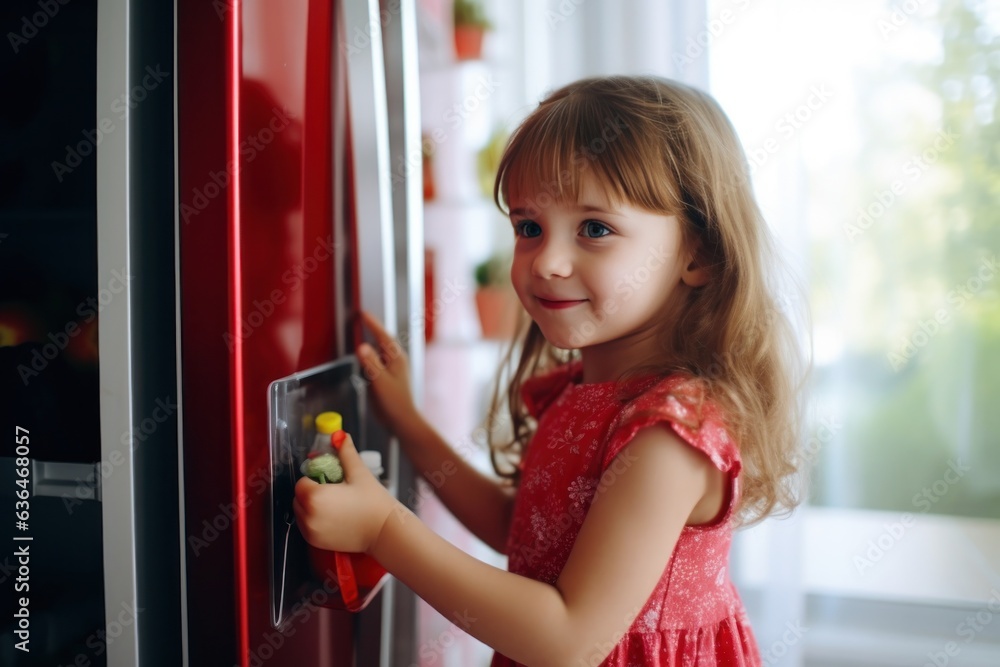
(669, 148)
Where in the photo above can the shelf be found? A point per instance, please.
(444, 206)
(461, 102)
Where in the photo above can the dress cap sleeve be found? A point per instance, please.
(540, 391)
(682, 403)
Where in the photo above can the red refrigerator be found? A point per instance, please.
(243, 177)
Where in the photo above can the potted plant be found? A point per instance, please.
(470, 26)
(496, 300)
(427, 155)
(488, 160)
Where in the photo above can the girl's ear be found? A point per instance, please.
(696, 273)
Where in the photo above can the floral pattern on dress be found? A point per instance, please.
(568, 440)
(694, 615)
(581, 491)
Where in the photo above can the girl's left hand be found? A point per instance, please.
(348, 516)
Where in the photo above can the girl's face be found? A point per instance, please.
(597, 276)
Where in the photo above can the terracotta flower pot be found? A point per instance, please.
(428, 176)
(469, 42)
(498, 310)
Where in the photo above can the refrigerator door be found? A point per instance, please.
(285, 230)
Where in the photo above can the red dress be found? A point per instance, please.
(694, 617)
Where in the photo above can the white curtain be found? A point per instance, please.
(565, 40)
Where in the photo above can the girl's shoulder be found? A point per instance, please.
(684, 403)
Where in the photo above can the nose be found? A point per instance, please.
(552, 260)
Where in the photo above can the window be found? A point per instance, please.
(871, 129)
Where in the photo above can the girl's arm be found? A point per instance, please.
(480, 502)
(619, 556)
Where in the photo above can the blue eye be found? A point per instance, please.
(527, 228)
(595, 230)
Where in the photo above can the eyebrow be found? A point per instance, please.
(582, 208)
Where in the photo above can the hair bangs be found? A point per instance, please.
(565, 138)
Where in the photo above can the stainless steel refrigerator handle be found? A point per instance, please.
(114, 338)
(370, 137)
(387, 275)
(402, 79)
(376, 269)
(399, 637)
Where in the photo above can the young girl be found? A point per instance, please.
(653, 405)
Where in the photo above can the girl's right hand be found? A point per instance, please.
(388, 370)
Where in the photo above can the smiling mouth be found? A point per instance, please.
(557, 305)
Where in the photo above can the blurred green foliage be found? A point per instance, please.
(917, 384)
